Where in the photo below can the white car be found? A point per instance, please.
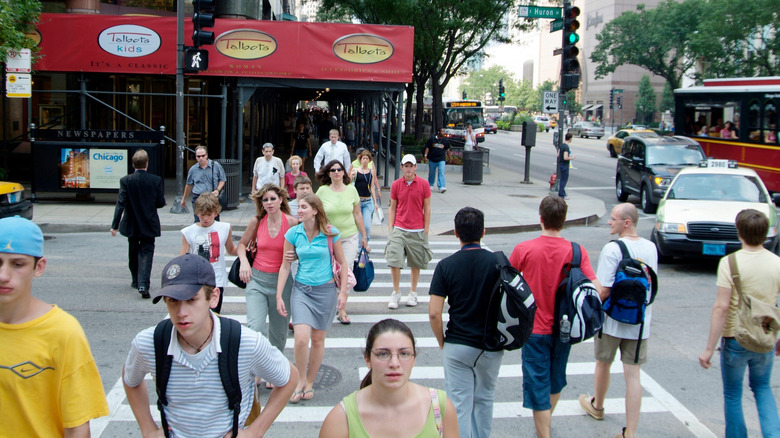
(543, 120)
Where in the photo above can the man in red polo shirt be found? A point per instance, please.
(408, 222)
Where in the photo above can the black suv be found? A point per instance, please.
(646, 166)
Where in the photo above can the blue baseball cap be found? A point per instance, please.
(183, 277)
(20, 236)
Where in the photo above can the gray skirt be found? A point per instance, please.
(314, 306)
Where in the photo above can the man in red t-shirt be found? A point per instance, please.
(541, 261)
(408, 222)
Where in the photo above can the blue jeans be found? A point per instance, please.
(733, 361)
(367, 209)
(470, 376)
(564, 171)
(433, 167)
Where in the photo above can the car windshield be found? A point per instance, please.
(717, 187)
(674, 155)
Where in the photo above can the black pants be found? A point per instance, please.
(140, 255)
(564, 171)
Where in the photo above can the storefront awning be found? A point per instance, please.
(586, 107)
(595, 107)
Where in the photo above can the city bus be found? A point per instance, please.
(750, 104)
(458, 114)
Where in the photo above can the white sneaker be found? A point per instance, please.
(411, 300)
(443, 189)
(394, 299)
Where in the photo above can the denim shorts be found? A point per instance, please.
(544, 370)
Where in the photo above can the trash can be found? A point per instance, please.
(472, 167)
(232, 184)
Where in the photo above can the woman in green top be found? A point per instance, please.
(342, 205)
(390, 356)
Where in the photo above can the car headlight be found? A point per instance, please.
(661, 181)
(671, 227)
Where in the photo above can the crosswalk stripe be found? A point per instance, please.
(367, 319)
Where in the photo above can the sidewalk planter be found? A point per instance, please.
(518, 128)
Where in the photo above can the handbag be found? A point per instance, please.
(337, 267)
(235, 269)
(364, 271)
(757, 322)
(378, 217)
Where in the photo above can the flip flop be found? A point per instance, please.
(268, 385)
(308, 395)
(296, 397)
(345, 320)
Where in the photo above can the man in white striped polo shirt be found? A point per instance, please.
(197, 403)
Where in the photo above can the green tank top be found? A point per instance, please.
(356, 429)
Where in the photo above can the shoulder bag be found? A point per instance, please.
(363, 269)
(337, 267)
(235, 268)
(757, 322)
(222, 193)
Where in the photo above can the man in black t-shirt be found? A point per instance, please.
(470, 373)
(564, 156)
(437, 152)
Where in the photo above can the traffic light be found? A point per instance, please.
(570, 65)
(196, 60)
(564, 99)
(620, 102)
(501, 91)
(611, 98)
(202, 18)
(464, 94)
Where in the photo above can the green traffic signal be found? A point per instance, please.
(573, 38)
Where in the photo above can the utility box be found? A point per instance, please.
(529, 134)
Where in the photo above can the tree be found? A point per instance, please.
(17, 18)
(738, 38)
(481, 83)
(667, 99)
(645, 101)
(655, 39)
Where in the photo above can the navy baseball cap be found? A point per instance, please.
(20, 236)
(183, 277)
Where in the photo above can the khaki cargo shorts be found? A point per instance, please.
(606, 346)
(413, 245)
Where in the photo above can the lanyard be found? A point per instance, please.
(471, 246)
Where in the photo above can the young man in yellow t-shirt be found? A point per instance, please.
(50, 385)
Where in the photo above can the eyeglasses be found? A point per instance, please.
(200, 156)
(335, 169)
(385, 355)
(270, 199)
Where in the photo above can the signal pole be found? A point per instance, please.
(570, 70)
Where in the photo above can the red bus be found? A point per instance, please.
(749, 107)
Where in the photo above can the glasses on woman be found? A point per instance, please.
(336, 169)
(386, 355)
(274, 199)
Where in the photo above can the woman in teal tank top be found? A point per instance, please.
(386, 394)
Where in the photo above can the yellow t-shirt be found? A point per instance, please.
(339, 207)
(48, 377)
(759, 276)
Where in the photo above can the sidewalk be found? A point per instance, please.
(509, 207)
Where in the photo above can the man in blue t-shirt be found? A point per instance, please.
(470, 372)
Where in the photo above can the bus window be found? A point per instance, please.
(770, 122)
(753, 119)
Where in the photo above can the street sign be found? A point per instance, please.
(18, 61)
(550, 105)
(618, 90)
(556, 25)
(18, 85)
(558, 51)
(528, 11)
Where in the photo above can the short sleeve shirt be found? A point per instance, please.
(564, 148)
(205, 180)
(268, 171)
(410, 198)
(314, 266)
(339, 207)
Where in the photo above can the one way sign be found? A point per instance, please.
(550, 102)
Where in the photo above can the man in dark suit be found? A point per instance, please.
(140, 195)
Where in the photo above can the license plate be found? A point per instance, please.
(712, 249)
(13, 198)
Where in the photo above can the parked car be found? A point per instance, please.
(491, 127)
(647, 165)
(696, 216)
(13, 201)
(615, 142)
(586, 129)
(543, 120)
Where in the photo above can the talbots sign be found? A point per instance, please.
(245, 44)
(129, 41)
(363, 48)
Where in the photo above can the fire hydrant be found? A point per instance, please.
(553, 177)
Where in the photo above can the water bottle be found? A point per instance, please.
(565, 329)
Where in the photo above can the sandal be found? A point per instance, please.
(268, 385)
(296, 397)
(308, 395)
(344, 320)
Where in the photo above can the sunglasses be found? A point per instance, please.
(336, 170)
(199, 156)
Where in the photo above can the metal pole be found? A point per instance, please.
(180, 146)
(223, 122)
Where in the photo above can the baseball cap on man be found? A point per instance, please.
(183, 277)
(20, 236)
(408, 158)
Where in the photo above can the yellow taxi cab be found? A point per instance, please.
(13, 201)
(696, 217)
(553, 123)
(615, 142)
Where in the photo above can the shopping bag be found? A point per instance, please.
(378, 217)
(364, 271)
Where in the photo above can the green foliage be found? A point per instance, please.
(503, 124)
(667, 99)
(645, 101)
(17, 18)
(479, 84)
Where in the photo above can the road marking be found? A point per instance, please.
(590, 188)
(685, 416)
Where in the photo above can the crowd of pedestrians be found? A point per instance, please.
(293, 282)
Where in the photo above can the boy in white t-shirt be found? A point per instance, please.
(302, 185)
(210, 239)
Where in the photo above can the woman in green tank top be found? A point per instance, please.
(386, 394)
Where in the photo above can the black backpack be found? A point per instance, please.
(578, 299)
(511, 309)
(230, 340)
(628, 300)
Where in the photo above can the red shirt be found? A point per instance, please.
(409, 202)
(270, 251)
(541, 262)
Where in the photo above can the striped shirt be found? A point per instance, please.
(197, 404)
